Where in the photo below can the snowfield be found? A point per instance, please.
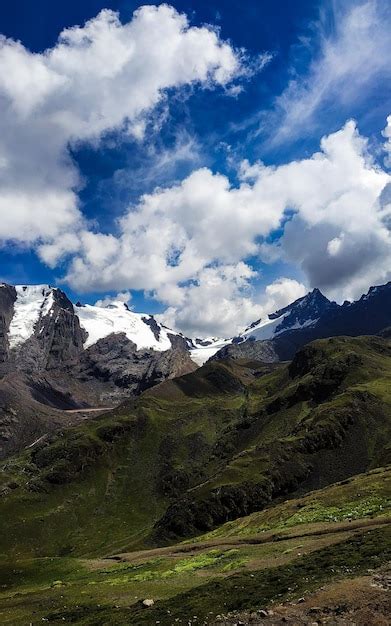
(200, 354)
(99, 322)
(32, 303)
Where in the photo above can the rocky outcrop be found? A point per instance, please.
(251, 349)
(57, 340)
(116, 362)
(7, 299)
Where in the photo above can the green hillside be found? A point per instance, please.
(198, 451)
(282, 553)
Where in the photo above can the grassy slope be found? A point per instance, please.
(120, 470)
(324, 418)
(365, 495)
(195, 452)
(212, 576)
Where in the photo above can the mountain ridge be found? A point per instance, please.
(309, 318)
(56, 354)
(310, 313)
(44, 346)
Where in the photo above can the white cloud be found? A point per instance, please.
(387, 144)
(334, 245)
(123, 296)
(280, 293)
(221, 302)
(353, 57)
(175, 232)
(203, 229)
(218, 302)
(98, 77)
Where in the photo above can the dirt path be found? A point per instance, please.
(266, 537)
(90, 410)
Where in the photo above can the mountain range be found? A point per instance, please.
(59, 362)
(152, 478)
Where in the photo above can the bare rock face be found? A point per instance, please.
(250, 349)
(57, 340)
(7, 299)
(47, 375)
(116, 362)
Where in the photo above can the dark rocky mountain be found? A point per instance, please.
(116, 368)
(309, 318)
(56, 358)
(303, 312)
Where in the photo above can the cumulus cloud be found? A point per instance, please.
(353, 57)
(175, 232)
(387, 144)
(98, 77)
(123, 297)
(280, 293)
(189, 244)
(222, 302)
(218, 302)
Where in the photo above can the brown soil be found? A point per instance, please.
(91, 410)
(363, 601)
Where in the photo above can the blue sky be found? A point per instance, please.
(222, 150)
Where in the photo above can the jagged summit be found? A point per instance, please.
(143, 330)
(314, 300)
(303, 312)
(33, 314)
(311, 317)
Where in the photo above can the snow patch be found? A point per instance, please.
(32, 302)
(99, 322)
(266, 329)
(297, 326)
(201, 354)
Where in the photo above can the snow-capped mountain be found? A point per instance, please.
(143, 330)
(303, 313)
(39, 327)
(56, 356)
(35, 307)
(31, 308)
(308, 318)
(119, 351)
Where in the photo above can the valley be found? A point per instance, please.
(239, 486)
(238, 473)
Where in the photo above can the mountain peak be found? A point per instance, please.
(314, 298)
(375, 290)
(304, 311)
